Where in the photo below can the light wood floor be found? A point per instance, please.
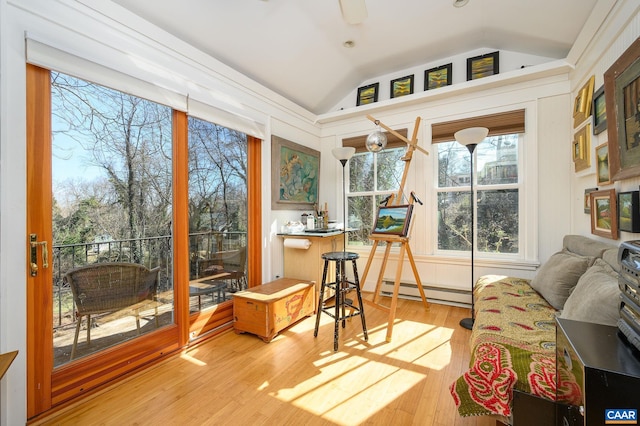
(298, 379)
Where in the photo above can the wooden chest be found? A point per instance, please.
(267, 309)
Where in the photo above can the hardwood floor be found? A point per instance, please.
(298, 379)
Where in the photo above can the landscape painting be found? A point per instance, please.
(393, 220)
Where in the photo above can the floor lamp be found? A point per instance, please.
(470, 138)
(344, 154)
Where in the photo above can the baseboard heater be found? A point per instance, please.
(444, 295)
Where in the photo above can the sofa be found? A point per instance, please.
(514, 334)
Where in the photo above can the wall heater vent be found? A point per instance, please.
(439, 294)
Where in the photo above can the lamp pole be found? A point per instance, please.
(470, 138)
(344, 154)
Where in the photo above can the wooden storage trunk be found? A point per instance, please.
(267, 309)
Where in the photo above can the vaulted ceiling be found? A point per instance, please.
(296, 47)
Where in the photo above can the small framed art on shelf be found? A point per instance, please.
(368, 94)
(402, 86)
(437, 77)
(483, 66)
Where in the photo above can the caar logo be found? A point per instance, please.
(621, 416)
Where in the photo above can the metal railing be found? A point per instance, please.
(150, 252)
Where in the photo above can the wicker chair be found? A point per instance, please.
(110, 287)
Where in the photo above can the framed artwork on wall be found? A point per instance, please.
(602, 164)
(622, 96)
(629, 211)
(604, 214)
(295, 175)
(368, 94)
(437, 77)
(582, 148)
(393, 220)
(402, 86)
(599, 111)
(587, 199)
(582, 103)
(483, 66)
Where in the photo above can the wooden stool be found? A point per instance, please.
(341, 287)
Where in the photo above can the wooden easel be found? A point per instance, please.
(395, 199)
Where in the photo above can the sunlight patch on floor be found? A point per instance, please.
(333, 393)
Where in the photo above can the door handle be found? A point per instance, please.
(33, 259)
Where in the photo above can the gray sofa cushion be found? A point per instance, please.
(596, 296)
(557, 277)
(611, 257)
(585, 246)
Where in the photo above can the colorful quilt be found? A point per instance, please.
(512, 347)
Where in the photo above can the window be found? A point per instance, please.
(372, 178)
(497, 190)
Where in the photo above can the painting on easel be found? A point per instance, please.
(393, 220)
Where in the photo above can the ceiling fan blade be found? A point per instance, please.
(353, 11)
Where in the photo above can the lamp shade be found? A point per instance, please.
(343, 153)
(471, 135)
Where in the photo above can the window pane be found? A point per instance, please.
(217, 213)
(361, 172)
(498, 221)
(453, 165)
(497, 159)
(360, 219)
(390, 168)
(111, 165)
(454, 220)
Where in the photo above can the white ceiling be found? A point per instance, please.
(295, 47)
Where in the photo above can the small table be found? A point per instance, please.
(208, 285)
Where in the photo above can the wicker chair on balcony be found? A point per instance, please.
(109, 287)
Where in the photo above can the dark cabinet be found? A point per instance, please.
(598, 375)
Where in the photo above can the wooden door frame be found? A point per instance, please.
(48, 388)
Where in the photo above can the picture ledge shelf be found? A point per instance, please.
(548, 69)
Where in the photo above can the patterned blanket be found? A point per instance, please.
(512, 347)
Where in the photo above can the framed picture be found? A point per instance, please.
(368, 94)
(604, 214)
(582, 103)
(393, 220)
(295, 175)
(629, 211)
(622, 95)
(599, 110)
(587, 199)
(437, 77)
(402, 86)
(582, 148)
(602, 164)
(483, 66)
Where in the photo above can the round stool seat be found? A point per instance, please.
(340, 255)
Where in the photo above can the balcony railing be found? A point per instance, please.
(150, 252)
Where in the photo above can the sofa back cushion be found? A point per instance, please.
(557, 277)
(596, 297)
(585, 246)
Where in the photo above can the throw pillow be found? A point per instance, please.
(559, 275)
(596, 297)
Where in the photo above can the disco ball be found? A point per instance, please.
(376, 141)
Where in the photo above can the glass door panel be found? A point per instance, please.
(112, 205)
(217, 214)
